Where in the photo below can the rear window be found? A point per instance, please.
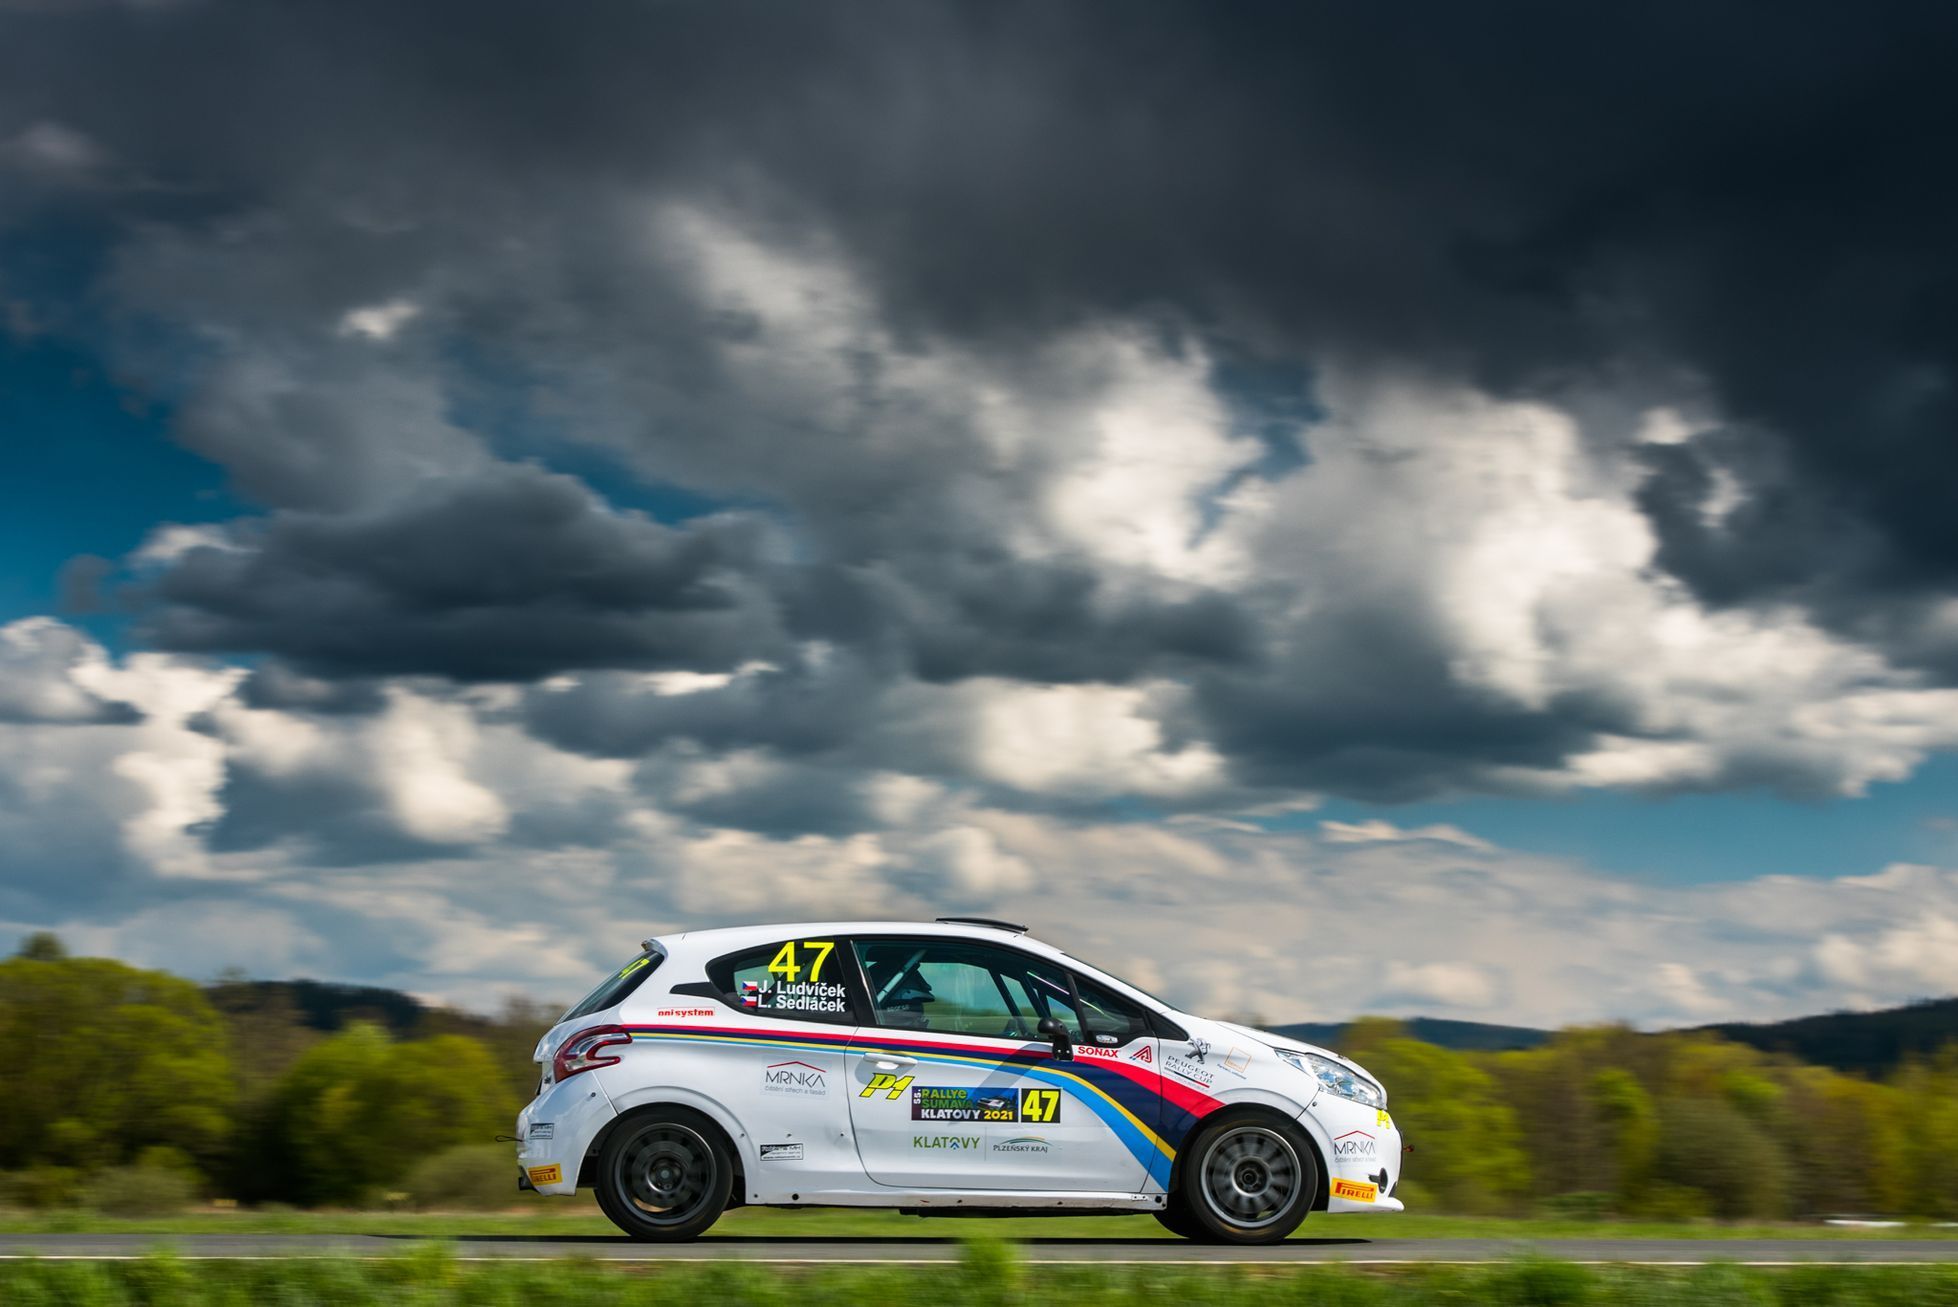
(616, 986)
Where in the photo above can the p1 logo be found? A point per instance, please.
(894, 1085)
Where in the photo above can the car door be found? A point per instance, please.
(952, 1086)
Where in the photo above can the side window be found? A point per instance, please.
(1107, 1018)
(962, 988)
(795, 980)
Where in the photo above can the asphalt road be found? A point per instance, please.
(1662, 1252)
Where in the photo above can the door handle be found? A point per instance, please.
(891, 1061)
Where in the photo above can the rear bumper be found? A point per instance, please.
(556, 1131)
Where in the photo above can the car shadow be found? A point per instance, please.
(834, 1240)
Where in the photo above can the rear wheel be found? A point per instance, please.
(664, 1176)
(1249, 1180)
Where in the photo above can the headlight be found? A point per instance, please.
(1336, 1079)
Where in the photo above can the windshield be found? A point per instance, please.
(1129, 985)
(616, 986)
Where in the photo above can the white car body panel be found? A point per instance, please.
(797, 1102)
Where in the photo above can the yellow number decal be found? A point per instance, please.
(895, 1084)
(1040, 1105)
(632, 966)
(784, 964)
(823, 949)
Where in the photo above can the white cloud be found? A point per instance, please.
(1356, 916)
(1158, 445)
(46, 671)
(169, 541)
(972, 866)
(1083, 739)
(421, 751)
(379, 321)
(1376, 831)
(54, 147)
(1519, 541)
(1445, 984)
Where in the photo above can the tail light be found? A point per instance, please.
(584, 1050)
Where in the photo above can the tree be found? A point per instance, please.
(1630, 1124)
(1711, 1146)
(42, 946)
(1469, 1152)
(99, 1061)
(357, 1111)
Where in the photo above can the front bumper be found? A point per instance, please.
(556, 1131)
(1363, 1155)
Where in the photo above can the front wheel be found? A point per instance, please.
(664, 1176)
(1249, 1180)
(1174, 1217)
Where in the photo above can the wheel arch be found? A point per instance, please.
(648, 1102)
(1249, 1111)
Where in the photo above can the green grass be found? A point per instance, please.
(542, 1216)
(988, 1276)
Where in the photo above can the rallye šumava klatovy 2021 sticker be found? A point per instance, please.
(1150, 1114)
(967, 1103)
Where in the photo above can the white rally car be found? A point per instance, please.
(954, 1068)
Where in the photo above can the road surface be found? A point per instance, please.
(1662, 1252)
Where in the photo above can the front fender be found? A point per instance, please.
(1252, 1096)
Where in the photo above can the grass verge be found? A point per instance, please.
(548, 1216)
(988, 1276)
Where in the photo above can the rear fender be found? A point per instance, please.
(741, 1147)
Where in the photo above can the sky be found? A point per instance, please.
(1333, 509)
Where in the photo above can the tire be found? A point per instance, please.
(1174, 1217)
(1250, 1179)
(664, 1176)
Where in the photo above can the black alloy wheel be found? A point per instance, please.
(664, 1176)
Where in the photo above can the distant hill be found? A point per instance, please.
(324, 1005)
(1870, 1043)
(1867, 1042)
(1467, 1036)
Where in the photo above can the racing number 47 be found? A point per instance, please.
(1040, 1104)
(789, 969)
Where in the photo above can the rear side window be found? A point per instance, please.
(795, 980)
(613, 989)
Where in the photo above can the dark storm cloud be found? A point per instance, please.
(1366, 705)
(511, 575)
(797, 712)
(276, 686)
(1740, 202)
(1518, 192)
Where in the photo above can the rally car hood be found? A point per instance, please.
(1276, 1040)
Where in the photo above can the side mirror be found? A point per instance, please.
(1058, 1035)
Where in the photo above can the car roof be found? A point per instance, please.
(735, 936)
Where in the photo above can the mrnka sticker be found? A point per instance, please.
(966, 1103)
